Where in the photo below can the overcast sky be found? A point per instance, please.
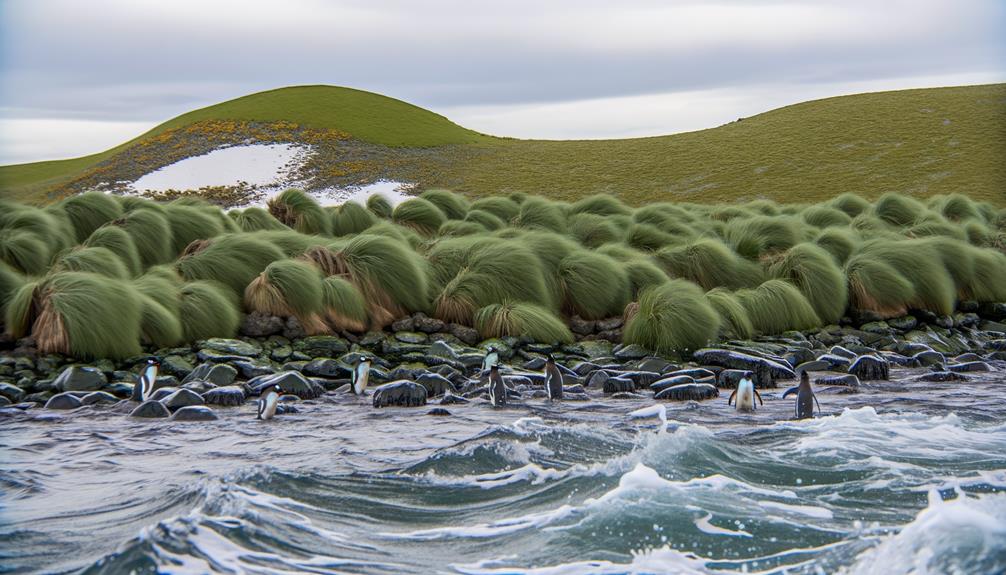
(79, 76)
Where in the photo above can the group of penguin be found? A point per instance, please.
(745, 394)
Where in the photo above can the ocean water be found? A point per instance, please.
(902, 478)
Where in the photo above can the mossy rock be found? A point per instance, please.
(321, 346)
(232, 347)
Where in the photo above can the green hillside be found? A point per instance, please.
(918, 142)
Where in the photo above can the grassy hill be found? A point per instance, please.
(918, 142)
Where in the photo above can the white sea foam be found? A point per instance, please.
(492, 529)
(808, 510)
(665, 560)
(703, 525)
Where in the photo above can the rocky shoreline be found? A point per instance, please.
(423, 360)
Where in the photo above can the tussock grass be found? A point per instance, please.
(233, 260)
(298, 211)
(486, 219)
(592, 285)
(957, 207)
(763, 207)
(662, 214)
(208, 309)
(814, 272)
(823, 217)
(255, 219)
(344, 306)
(937, 228)
(188, 224)
(647, 237)
(379, 206)
(777, 306)
(290, 242)
(640, 269)
(763, 235)
(920, 263)
(159, 325)
(735, 322)
(24, 251)
(421, 215)
(875, 286)
(351, 218)
(119, 242)
(593, 230)
(709, 263)
(392, 278)
(523, 320)
(851, 204)
(287, 288)
(899, 210)
(88, 212)
(10, 282)
(600, 204)
(454, 206)
(152, 235)
(501, 207)
(100, 261)
(460, 228)
(539, 213)
(673, 318)
(840, 243)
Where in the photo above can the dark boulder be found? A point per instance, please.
(836, 362)
(439, 411)
(292, 382)
(597, 378)
(228, 395)
(182, 398)
(257, 324)
(694, 373)
(929, 357)
(630, 352)
(970, 366)
(451, 399)
(671, 381)
(842, 352)
(150, 409)
(162, 392)
(327, 368)
(199, 386)
(218, 374)
(65, 400)
(870, 368)
(11, 391)
(435, 384)
(617, 384)
(194, 413)
(250, 369)
(402, 393)
(847, 380)
(688, 391)
(941, 377)
(729, 378)
(96, 397)
(321, 346)
(80, 378)
(231, 347)
(766, 371)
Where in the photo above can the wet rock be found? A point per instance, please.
(941, 377)
(176, 365)
(402, 393)
(199, 386)
(585, 368)
(581, 326)
(897, 359)
(428, 324)
(573, 389)
(879, 327)
(971, 366)
(228, 395)
(928, 358)
(836, 362)
(994, 311)
(80, 378)
(944, 321)
(640, 378)
(321, 346)
(286, 408)
(232, 347)
(404, 324)
(729, 378)
(870, 368)
(96, 397)
(436, 385)
(4, 402)
(208, 355)
(609, 324)
(612, 335)
(765, 371)
(625, 395)
(182, 398)
(671, 381)
(412, 337)
(194, 413)
(150, 409)
(258, 324)
(11, 392)
(220, 375)
(694, 373)
(161, 393)
(465, 334)
(65, 400)
(617, 384)
(451, 399)
(964, 320)
(443, 349)
(996, 344)
(630, 352)
(281, 353)
(688, 391)
(252, 369)
(163, 381)
(535, 364)
(906, 323)
(799, 355)
(327, 368)
(967, 357)
(439, 411)
(40, 397)
(911, 348)
(292, 382)
(847, 380)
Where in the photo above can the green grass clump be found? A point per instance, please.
(421, 215)
(978, 234)
(539, 213)
(298, 211)
(592, 230)
(486, 219)
(188, 224)
(763, 207)
(823, 217)
(851, 204)
(957, 207)
(735, 322)
(730, 213)
(208, 309)
(989, 280)
(460, 228)
(101, 261)
(391, 277)
(937, 228)
(119, 242)
(840, 243)
(647, 237)
(24, 251)
(286, 288)
(501, 207)
(777, 306)
(233, 260)
(600, 204)
(592, 285)
(351, 218)
(899, 210)
(152, 235)
(379, 206)
(709, 263)
(85, 315)
(454, 206)
(90, 211)
(290, 242)
(158, 324)
(920, 263)
(523, 320)
(763, 235)
(641, 270)
(877, 287)
(673, 318)
(10, 282)
(343, 304)
(255, 219)
(814, 272)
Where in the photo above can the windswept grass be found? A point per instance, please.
(188, 224)
(208, 309)
(24, 251)
(152, 235)
(777, 306)
(380, 206)
(256, 219)
(523, 320)
(709, 263)
(119, 242)
(391, 277)
(539, 213)
(101, 261)
(288, 288)
(919, 263)
(823, 217)
(593, 230)
(454, 206)
(488, 220)
(343, 305)
(90, 211)
(592, 285)
(899, 210)
(421, 215)
(10, 282)
(840, 243)
(851, 204)
(673, 318)
(814, 272)
(761, 236)
(601, 205)
(233, 260)
(351, 218)
(300, 212)
(735, 322)
(503, 208)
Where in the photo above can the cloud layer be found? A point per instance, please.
(522, 68)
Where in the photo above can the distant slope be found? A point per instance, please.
(921, 142)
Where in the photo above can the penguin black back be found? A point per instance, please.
(553, 379)
(497, 389)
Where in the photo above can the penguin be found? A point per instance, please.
(361, 374)
(268, 401)
(553, 380)
(805, 398)
(145, 382)
(745, 394)
(491, 359)
(497, 389)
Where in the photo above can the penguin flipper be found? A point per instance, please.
(732, 395)
(260, 405)
(818, 404)
(758, 395)
(789, 391)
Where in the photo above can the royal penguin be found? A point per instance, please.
(145, 382)
(497, 389)
(491, 359)
(805, 398)
(553, 379)
(268, 401)
(361, 375)
(745, 395)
